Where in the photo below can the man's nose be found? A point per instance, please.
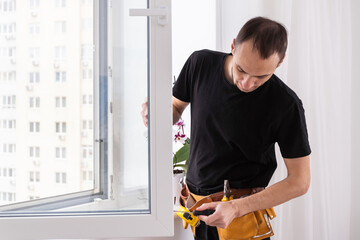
(247, 82)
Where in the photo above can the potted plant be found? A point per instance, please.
(180, 158)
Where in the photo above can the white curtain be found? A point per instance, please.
(318, 67)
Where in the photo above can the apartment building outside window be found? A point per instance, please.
(12, 148)
(12, 75)
(86, 24)
(87, 99)
(60, 3)
(8, 124)
(87, 125)
(60, 27)
(12, 52)
(86, 51)
(34, 28)
(8, 30)
(3, 29)
(34, 4)
(60, 76)
(9, 148)
(34, 127)
(87, 1)
(7, 196)
(8, 76)
(87, 152)
(34, 53)
(34, 102)
(87, 175)
(60, 152)
(34, 152)
(60, 127)
(7, 172)
(8, 6)
(33, 197)
(34, 77)
(60, 177)
(87, 74)
(9, 101)
(34, 176)
(60, 102)
(60, 53)
(12, 28)
(12, 124)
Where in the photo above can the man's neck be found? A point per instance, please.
(227, 69)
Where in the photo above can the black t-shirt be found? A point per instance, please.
(232, 132)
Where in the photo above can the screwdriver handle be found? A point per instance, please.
(206, 212)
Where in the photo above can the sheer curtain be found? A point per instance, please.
(318, 67)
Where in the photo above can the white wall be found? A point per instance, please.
(330, 194)
(194, 28)
(355, 109)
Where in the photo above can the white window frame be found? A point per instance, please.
(159, 221)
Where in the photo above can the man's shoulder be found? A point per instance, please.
(283, 91)
(207, 54)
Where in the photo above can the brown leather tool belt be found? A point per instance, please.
(255, 225)
(192, 201)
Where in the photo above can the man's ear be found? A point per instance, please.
(281, 61)
(233, 47)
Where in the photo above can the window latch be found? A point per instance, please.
(161, 13)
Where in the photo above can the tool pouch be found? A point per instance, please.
(255, 225)
(184, 195)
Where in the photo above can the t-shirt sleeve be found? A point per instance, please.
(292, 136)
(183, 85)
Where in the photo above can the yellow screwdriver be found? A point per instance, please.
(190, 217)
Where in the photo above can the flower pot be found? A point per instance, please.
(177, 176)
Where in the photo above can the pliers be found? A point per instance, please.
(227, 192)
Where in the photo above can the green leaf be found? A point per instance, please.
(182, 154)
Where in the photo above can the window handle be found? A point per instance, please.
(161, 13)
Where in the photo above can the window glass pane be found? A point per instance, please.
(81, 167)
(48, 130)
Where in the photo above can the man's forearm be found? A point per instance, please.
(276, 194)
(178, 107)
(176, 115)
(294, 185)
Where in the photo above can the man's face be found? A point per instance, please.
(250, 71)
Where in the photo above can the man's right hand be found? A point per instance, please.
(144, 112)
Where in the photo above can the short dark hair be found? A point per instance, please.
(268, 36)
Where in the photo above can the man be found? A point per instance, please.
(239, 110)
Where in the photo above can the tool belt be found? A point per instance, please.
(255, 225)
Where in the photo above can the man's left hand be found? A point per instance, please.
(224, 213)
